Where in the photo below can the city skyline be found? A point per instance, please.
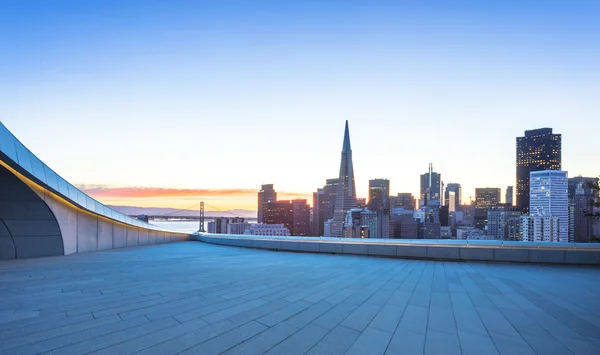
(260, 92)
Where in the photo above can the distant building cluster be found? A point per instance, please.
(549, 206)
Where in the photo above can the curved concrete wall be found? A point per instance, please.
(28, 227)
(501, 252)
(41, 214)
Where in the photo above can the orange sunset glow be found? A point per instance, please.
(221, 199)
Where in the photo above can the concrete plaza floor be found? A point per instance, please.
(196, 298)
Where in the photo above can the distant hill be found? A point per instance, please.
(173, 212)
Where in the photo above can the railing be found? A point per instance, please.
(421, 242)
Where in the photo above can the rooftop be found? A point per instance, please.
(193, 297)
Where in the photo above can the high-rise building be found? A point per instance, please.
(300, 218)
(504, 222)
(484, 198)
(265, 195)
(318, 212)
(357, 223)
(403, 200)
(582, 197)
(580, 182)
(539, 149)
(405, 226)
(508, 198)
(346, 191)
(540, 228)
(549, 197)
(431, 188)
(456, 190)
(324, 205)
(429, 218)
(279, 212)
(379, 203)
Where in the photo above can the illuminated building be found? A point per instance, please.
(539, 149)
(484, 198)
(549, 197)
(265, 195)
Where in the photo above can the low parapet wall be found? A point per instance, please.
(551, 253)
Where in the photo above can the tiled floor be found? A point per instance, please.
(196, 298)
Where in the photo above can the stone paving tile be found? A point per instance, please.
(477, 344)
(388, 318)
(361, 317)
(300, 342)
(371, 341)
(227, 340)
(190, 340)
(507, 345)
(337, 341)
(160, 300)
(439, 343)
(91, 339)
(406, 342)
(265, 340)
(308, 315)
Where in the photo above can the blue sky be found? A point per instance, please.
(229, 95)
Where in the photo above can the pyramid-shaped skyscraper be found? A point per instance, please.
(346, 193)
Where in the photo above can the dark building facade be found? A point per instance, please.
(300, 218)
(318, 213)
(324, 205)
(539, 149)
(379, 202)
(279, 212)
(581, 198)
(266, 194)
(403, 200)
(405, 226)
(484, 198)
(431, 188)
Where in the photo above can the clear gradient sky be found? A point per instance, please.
(199, 99)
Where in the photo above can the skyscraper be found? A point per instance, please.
(265, 195)
(431, 188)
(581, 198)
(279, 212)
(549, 197)
(403, 200)
(324, 205)
(453, 187)
(504, 222)
(300, 218)
(318, 212)
(346, 191)
(379, 202)
(509, 195)
(539, 149)
(484, 198)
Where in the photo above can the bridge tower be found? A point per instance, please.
(201, 230)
